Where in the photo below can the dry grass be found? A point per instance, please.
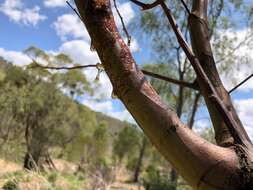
(125, 186)
(62, 179)
(64, 166)
(8, 167)
(26, 180)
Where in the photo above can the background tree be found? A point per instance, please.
(139, 162)
(100, 143)
(33, 103)
(126, 143)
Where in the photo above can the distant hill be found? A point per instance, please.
(114, 124)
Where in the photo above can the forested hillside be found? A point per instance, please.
(43, 129)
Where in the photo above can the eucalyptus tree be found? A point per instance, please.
(100, 144)
(226, 165)
(33, 105)
(12, 80)
(140, 158)
(126, 143)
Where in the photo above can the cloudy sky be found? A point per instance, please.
(52, 26)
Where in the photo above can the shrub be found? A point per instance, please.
(154, 180)
(11, 185)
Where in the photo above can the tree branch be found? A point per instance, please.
(146, 6)
(194, 109)
(123, 24)
(192, 156)
(74, 10)
(64, 68)
(241, 83)
(224, 132)
(185, 6)
(236, 130)
(192, 85)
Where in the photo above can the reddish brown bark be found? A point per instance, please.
(204, 165)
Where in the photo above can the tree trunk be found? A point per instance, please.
(37, 151)
(36, 161)
(194, 110)
(139, 162)
(202, 164)
(179, 110)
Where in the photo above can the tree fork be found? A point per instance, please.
(204, 165)
(198, 26)
(232, 125)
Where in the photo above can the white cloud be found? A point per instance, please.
(55, 3)
(134, 46)
(245, 111)
(126, 12)
(69, 26)
(107, 108)
(239, 75)
(77, 45)
(79, 51)
(123, 115)
(16, 12)
(102, 106)
(17, 58)
(201, 125)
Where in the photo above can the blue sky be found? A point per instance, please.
(52, 26)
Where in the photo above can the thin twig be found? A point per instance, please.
(119, 14)
(64, 68)
(193, 85)
(241, 83)
(186, 8)
(74, 10)
(171, 80)
(194, 109)
(123, 24)
(146, 6)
